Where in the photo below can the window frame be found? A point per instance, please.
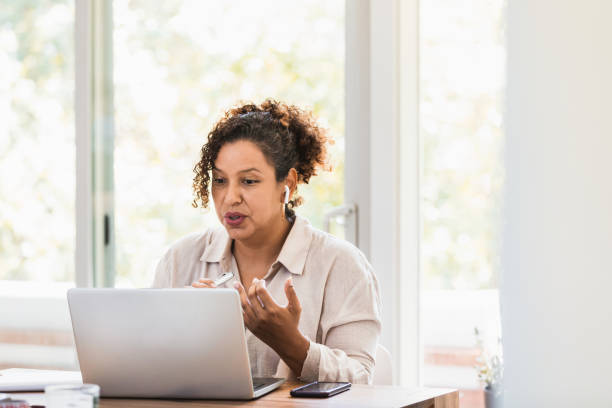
(95, 238)
(382, 162)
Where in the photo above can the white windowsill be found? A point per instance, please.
(34, 305)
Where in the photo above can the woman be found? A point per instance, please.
(310, 301)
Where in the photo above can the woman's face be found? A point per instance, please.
(247, 198)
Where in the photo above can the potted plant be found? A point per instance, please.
(490, 371)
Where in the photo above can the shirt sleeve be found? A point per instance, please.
(163, 271)
(350, 325)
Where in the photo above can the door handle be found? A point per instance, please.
(348, 213)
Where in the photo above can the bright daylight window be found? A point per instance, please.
(462, 56)
(177, 66)
(37, 182)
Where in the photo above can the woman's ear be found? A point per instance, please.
(291, 180)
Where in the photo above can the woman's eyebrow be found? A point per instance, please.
(215, 169)
(248, 170)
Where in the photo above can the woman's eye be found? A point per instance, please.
(218, 180)
(249, 181)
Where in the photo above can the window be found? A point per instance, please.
(462, 55)
(176, 69)
(37, 182)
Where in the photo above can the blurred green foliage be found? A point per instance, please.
(462, 79)
(37, 153)
(178, 66)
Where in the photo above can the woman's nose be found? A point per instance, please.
(233, 194)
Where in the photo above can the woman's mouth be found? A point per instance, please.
(234, 219)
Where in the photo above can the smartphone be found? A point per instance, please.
(320, 389)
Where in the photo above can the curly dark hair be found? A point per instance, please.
(288, 137)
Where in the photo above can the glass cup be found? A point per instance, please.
(72, 395)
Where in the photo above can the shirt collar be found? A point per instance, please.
(219, 249)
(295, 249)
(292, 255)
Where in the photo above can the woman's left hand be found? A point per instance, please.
(275, 325)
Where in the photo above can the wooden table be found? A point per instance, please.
(357, 396)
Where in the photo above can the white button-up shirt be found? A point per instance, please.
(334, 282)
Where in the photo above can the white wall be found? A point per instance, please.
(557, 256)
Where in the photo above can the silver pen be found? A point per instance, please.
(224, 278)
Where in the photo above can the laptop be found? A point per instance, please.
(164, 343)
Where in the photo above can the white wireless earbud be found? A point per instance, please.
(286, 194)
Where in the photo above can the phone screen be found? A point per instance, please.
(320, 389)
(323, 386)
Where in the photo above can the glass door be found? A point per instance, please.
(177, 67)
(462, 57)
(37, 183)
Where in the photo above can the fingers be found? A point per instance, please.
(259, 306)
(253, 299)
(204, 283)
(264, 296)
(248, 314)
(294, 305)
(243, 295)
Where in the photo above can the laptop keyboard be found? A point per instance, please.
(259, 383)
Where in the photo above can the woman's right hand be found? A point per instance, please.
(204, 283)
